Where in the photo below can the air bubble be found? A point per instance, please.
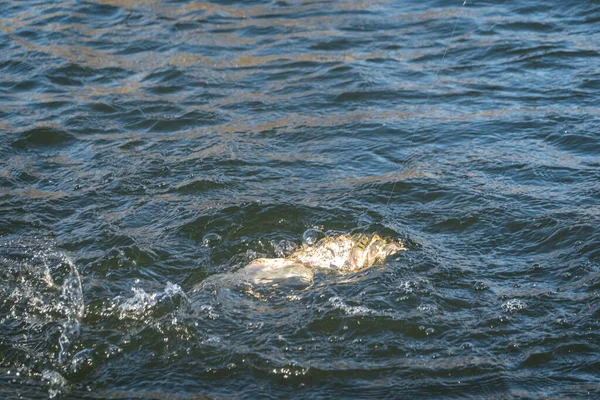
(311, 236)
(211, 239)
(514, 305)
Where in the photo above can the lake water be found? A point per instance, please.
(147, 145)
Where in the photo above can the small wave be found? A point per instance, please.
(198, 186)
(42, 137)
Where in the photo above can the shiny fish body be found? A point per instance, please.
(341, 253)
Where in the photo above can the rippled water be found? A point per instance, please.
(150, 144)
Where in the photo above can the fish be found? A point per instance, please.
(275, 271)
(337, 253)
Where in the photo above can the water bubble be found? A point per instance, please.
(311, 236)
(211, 239)
(427, 308)
(338, 303)
(407, 286)
(513, 305)
(210, 312)
(513, 346)
(213, 339)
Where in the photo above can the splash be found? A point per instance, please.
(56, 382)
(141, 304)
(41, 309)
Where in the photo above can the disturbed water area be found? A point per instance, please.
(152, 147)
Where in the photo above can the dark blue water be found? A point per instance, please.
(147, 145)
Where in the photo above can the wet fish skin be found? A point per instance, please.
(340, 253)
(272, 270)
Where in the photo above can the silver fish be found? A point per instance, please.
(340, 253)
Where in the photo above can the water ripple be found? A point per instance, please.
(152, 148)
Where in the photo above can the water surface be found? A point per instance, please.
(148, 145)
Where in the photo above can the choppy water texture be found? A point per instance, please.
(149, 145)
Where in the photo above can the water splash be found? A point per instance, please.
(73, 308)
(141, 304)
(42, 307)
(56, 382)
